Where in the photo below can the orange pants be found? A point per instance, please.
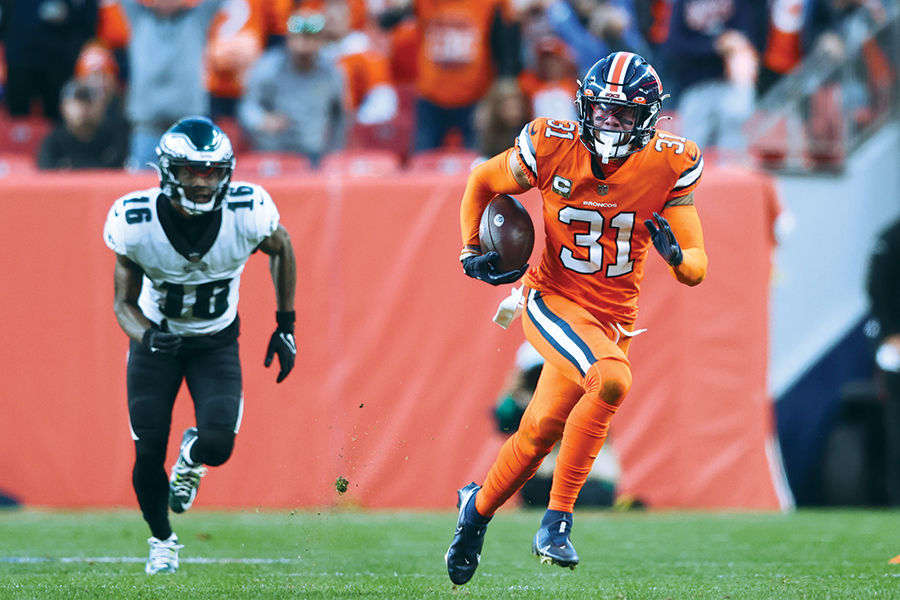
(585, 378)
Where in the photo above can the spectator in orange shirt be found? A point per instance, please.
(464, 46)
(371, 96)
(237, 39)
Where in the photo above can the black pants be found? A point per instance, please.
(213, 376)
(25, 83)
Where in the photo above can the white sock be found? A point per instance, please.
(186, 452)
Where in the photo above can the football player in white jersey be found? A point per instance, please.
(180, 250)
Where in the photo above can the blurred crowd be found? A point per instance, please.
(313, 78)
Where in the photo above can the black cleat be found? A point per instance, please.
(185, 479)
(551, 543)
(464, 554)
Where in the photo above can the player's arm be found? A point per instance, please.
(283, 266)
(487, 180)
(128, 278)
(498, 175)
(678, 237)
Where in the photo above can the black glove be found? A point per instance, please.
(283, 344)
(482, 267)
(664, 240)
(161, 341)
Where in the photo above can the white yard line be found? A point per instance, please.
(142, 559)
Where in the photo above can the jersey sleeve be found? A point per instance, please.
(526, 149)
(114, 228)
(263, 218)
(690, 171)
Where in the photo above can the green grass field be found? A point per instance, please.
(399, 555)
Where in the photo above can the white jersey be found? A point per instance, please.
(198, 294)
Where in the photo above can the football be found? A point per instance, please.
(506, 229)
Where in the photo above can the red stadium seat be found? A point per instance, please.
(443, 160)
(235, 133)
(265, 165)
(13, 164)
(362, 163)
(23, 135)
(396, 135)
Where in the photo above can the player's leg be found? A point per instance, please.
(153, 383)
(519, 458)
(214, 379)
(540, 427)
(593, 355)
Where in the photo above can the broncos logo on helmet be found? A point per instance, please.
(624, 85)
(195, 146)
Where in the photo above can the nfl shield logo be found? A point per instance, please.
(603, 189)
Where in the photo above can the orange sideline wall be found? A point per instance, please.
(399, 364)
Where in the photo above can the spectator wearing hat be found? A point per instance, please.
(97, 67)
(87, 138)
(294, 98)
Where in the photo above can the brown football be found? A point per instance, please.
(506, 229)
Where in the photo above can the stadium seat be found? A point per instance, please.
(13, 164)
(396, 135)
(235, 133)
(265, 165)
(362, 163)
(447, 161)
(23, 135)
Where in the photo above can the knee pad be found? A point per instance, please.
(213, 446)
(539, 433)
(608, 380)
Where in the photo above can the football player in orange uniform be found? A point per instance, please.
(612, 186)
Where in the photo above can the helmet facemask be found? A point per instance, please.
(637, 125)
(193, 198)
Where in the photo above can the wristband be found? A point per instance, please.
(285, 320)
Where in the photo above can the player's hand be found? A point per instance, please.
(482, 267)
(282, 343)
(161, 341)
(664, 240)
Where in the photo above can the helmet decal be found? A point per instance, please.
(617, 72)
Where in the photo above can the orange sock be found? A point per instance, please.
(582, 440)
(606, 384)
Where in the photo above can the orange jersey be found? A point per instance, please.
(455, 66)
(596, 241)
(364, 67)
(112, 26)
(237, 38)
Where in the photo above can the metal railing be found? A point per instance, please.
(816, 116)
